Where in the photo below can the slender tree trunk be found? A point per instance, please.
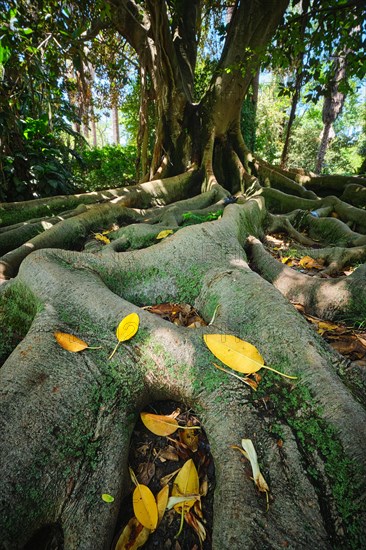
(297, 90)
(115, 123)
(332, 107)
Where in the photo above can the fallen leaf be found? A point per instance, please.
(126, 330)
(102, 238)
(133, 536)
(204, 487)
(169, 453)
(70, 342)
(159, 424)
(164, 233)
(197, 526)
(174, 501)
(162, 501)
(237, 354)
(107, 498)
(166, 479)
(250, 453)
(246, 380)
(324, 326)
(190, 439)
(186, 483)
(309, 263)
(288, 261)
(144, 507)
(145, 471)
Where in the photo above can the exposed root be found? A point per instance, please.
(328, 299)
(279, 223)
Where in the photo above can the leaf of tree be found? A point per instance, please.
(70, 342)
(235, 353)
(186, 484)
(126, 330)
(144, 507)
(159, 424)
(133, 536)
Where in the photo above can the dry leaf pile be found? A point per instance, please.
(172, 470)
(182, 315)
(283, 249)
(346, 340)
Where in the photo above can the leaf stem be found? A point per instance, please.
(278, 372)
(114, 351)
(181, 523)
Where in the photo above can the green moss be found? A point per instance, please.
(189, 284)
(189, 218)
(295, 406)
(18, 307)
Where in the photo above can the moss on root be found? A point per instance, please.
(294, 405)
(18, 307)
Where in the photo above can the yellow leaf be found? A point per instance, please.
(288, 261)
(324, 326)
(144, 507)
(237, 354)
(126, 330)
(107, 498)
(102, 238)
(159, 424)
(186, 484)
(189, 439)
(164, 233)
(133, 536)
(309, 263)
(128, 327)
(162, 501)
(70, 342)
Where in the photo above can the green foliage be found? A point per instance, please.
(107, 167)
(18, 308)
(343, 154)
(189, 218)
(35, 112)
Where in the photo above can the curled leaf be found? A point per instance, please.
(126, 330)
(133, 536)
(246, 380)
(249, 452)
(197, 526)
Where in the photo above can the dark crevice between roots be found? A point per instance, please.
(48, 537)
(145, 448)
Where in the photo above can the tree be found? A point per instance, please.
(67, 418)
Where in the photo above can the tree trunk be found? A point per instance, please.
(332, 107)
(115, 124)
(298, 84)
